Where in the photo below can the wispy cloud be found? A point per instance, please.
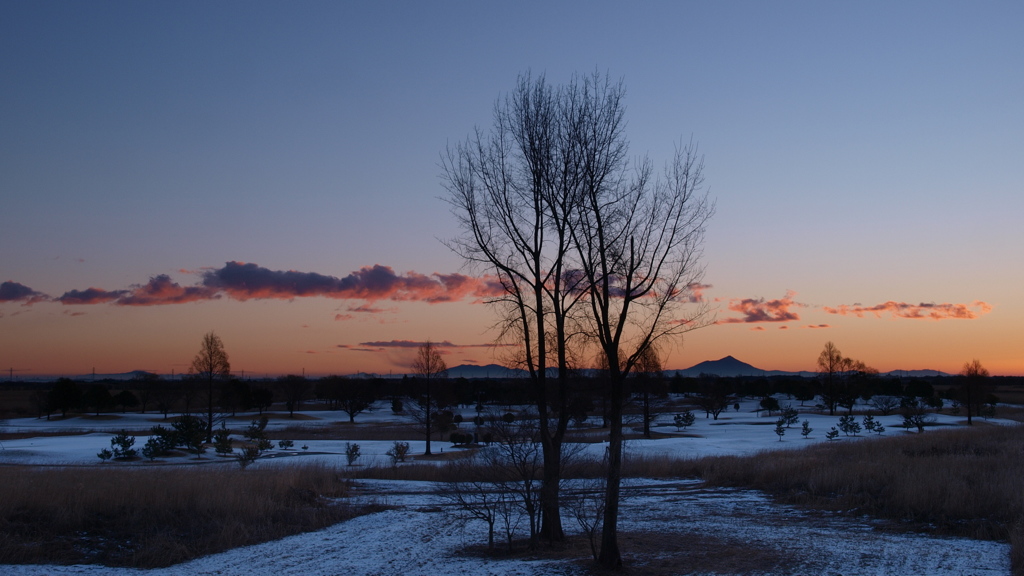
(924, 310)
(15, 292)
(757, 310)
(417, 344)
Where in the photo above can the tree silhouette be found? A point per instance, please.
(211, 366)
(973, 379)
(429, 366)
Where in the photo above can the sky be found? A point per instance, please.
(270, 172)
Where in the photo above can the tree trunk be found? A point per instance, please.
(551, 519)
(610, 556)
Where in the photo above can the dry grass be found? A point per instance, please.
(965, 482)
(146, 517)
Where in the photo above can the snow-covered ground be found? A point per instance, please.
(419, 537)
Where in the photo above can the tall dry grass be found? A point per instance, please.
(151, 517)
(966, 481)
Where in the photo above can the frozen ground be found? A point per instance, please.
(679, 525)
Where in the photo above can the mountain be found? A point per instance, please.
(117, 377)
(488, 371)
(914, 373)
(730, 367)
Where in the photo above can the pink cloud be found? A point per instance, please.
(161, 290)
(245, 281)
(90, 296)
(924, 310)
(697, 292)
(757, 310)
(15, 292)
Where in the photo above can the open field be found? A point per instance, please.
(872, 496)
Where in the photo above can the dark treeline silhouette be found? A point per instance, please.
(355, 395)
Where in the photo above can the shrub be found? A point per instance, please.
(191, 433)
(352, 453)
(164, 440)
(461, 438)
(780, 428)
(848, 425)
(399, 452)
(105, 454)
(791, 416)
(256, 430)
(871, 426)
(248, 455)
(832, 434)
(121, 445)
(684, 420)
(285, 444)
(222, 442)
(806, 430)
(150, 449)
(160, 443)
(770, 404)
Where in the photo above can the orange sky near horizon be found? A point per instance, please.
(320, 336)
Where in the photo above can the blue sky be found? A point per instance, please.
(860, 153)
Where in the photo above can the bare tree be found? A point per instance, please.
(513, 190)
(211, 366)
(829, 370)
(429, 366)
(835, 372)
(549, 204)
(973, 387)
(648, 385)
(639, 243)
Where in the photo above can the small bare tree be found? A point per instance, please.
(973, 378)
(430, 367)
(211, 366)
(648, 385)
(500, 484)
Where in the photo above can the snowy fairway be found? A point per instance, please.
(667, 526)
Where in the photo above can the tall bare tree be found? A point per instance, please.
(211, 366)
(429, 366)
(639, 241)
(582, 245)
(513, 190)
